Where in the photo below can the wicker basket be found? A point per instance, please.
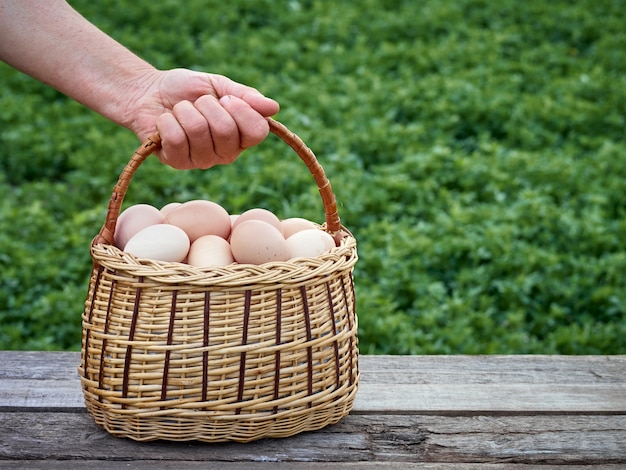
(235, 353)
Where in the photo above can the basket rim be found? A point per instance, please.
(292, 272)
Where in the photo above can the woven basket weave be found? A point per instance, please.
(235, 353)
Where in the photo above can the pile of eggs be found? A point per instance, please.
(202, 233)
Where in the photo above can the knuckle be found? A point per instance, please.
(223, 130)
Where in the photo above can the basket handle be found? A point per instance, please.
(152, 144)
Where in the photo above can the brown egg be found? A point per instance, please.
(295, 224)
(167, 208)
(257, 242)
(199, 217)
(210, 250)
(310, 243)
(258, 214)
(134, 219)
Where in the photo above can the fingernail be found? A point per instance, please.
(224, 100)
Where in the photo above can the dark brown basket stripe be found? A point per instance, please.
(333, 321)
(244, 342)
(350, 325)
(309, 349)
(205, 344)
(131, 337)
(87, 332)
(107, 319)
(279, 306)
(168, 352)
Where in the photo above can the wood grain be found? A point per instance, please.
(438, 412)
(398, 438)
(392, 384)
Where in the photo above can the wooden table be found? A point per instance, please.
(436, 412)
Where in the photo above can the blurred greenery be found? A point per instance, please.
(476, 148)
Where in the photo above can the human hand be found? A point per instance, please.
(203, 119)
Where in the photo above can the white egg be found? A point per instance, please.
(162, 242)
(210, 250)
(309, 243)
(295, 224)
(134, 219)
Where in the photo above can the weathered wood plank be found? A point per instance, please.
(191, 465)
(435, 439)
(439, 412)
(393, 384)
(528, 369)
(40, 365)
(478, 369)
(388, 398)
(490, 398)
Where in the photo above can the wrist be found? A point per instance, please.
(122, 97)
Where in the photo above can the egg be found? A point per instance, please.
(295, 224)
(309, 243)
(167, 208)
(162, 242)
(134, 219)
(210, 250)
(257, 242)
(200, 217)
(258, 214)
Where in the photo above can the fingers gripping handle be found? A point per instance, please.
(151, 145)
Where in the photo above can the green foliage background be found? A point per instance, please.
(477, 150)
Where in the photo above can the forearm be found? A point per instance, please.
(51, 42)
